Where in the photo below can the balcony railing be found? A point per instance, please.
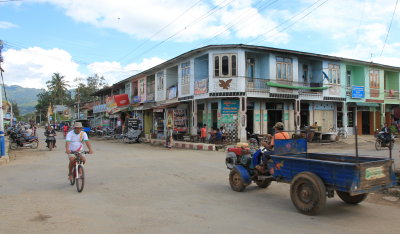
(149, 97)
(257, 85)
(391, 94)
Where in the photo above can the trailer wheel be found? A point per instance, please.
(308, 193)
(346, 197)
(263, 183)
(236, 181)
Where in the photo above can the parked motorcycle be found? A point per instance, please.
(18, 140)
(133, 136)
(51, 141)
(384, 140)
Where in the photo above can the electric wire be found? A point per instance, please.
(159, 31)
(212, 11)
(281, 24)
(390, 25)
(295, 22)
(238, 21)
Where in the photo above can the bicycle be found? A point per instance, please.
(78, 178)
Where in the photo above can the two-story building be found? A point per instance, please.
(249, 88)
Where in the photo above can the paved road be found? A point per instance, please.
(145, 189)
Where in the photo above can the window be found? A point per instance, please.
(135, 89)
(185, 72)
(374, 79)
(250, 68)
(283, 68)
(225, 65)
(348, 76)
(160, 80)
(334, 73)
(374, 83)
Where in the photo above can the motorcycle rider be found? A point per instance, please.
(50, 131)
(65, 129)
(386, 135)
(74, 142)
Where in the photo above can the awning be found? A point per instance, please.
(273, 84)
(367, 104)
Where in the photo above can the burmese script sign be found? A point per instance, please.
(229, 106)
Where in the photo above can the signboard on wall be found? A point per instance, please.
(133, 123)
(357, 92)
(200, 86)
(180, 120)
(229, 106)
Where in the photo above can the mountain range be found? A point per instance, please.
(26, 98)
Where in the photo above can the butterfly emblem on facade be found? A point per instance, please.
(225, 84)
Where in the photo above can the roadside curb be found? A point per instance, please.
(186, 145)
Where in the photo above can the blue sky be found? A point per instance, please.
(120, 38)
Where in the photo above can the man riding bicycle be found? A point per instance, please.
(74, 142)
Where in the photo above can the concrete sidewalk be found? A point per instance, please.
(186, 145)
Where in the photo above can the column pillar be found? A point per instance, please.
(297, 115)
(345, 117)
(193, 129)
(242, 119)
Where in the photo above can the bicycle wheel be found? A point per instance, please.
(72, 181)
(80, 181)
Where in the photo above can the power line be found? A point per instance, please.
(238, 22)
(295, 22)
(390, 25)
(212, 11)
(159, 31)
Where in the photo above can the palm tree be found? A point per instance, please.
(58, 88)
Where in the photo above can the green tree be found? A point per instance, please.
(44, 100)
(58, 88)
(85, 90)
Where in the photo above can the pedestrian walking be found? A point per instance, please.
(203, 133)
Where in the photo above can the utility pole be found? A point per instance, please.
(2, 142)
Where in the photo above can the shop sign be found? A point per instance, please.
(357, 92)
(122, 99)
(116, 101)
(180, 120)
(200, 86)
(136, 99)
(133, 123)
(229, 106)
(100, 108)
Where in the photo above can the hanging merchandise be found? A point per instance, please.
(180, 120)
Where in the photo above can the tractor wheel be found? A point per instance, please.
(236, 181)
(346, 197)
(308, 193)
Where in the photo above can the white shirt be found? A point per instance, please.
(76, 140)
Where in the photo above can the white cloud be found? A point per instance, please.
(34, 66)
(144, 18)
(6, 25)
(114, 72)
